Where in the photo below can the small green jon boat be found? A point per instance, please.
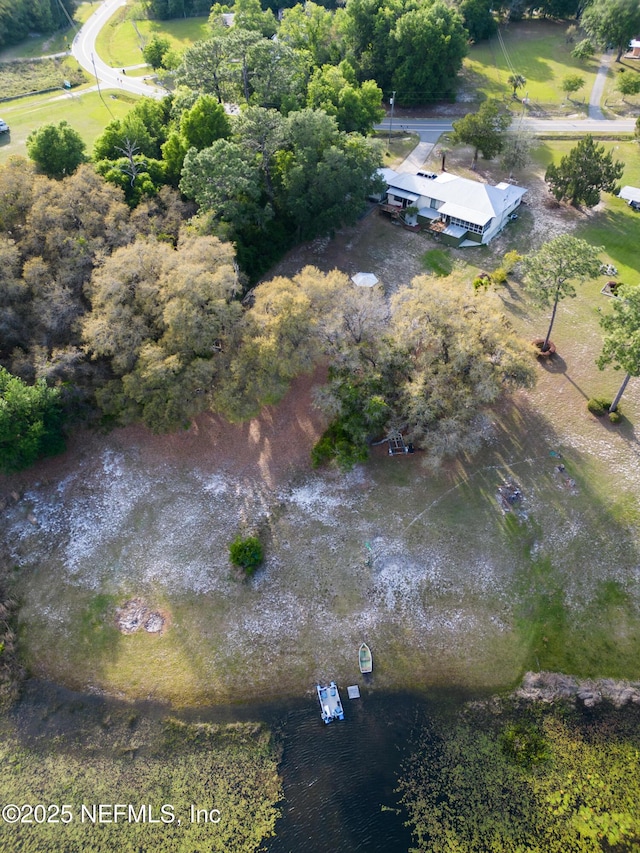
(364, 658)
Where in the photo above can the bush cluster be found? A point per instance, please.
(246, 553)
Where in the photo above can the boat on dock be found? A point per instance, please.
(330, 704)
(365, 659)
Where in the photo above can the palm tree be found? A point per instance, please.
(517, 81)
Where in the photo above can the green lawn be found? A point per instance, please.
(86, 112)
(536, 49)
(397, 147)
(121, 41)
(617, 227)
(612, 97)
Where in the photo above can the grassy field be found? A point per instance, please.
(612, 97)
(21, 78)
(121, 41)
(539, 51)
(86, 112)
(398, 147)
(615, 227)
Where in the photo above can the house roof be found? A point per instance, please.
(629, 194)
(462, 198)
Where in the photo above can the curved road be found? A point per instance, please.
(84, 51)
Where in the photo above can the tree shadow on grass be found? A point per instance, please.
(572, 516)
(556, 364)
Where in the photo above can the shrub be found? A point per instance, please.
(615, 417)
(499, 276)
(246, 553)
(598, 406)
(337, 443)
(482, 281)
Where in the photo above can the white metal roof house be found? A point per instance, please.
(630, 194)
(461, 211)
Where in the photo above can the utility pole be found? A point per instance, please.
(392, 101)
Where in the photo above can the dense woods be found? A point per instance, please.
(137, 314)
(18, 18)
(124, 275)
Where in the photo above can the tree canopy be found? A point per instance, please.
(582, 174)
(444, 357)
(612, 22)
(166, 319)
(31, 420)
(549, 274)
(621, 347)
(485, 130)
(18, 18)
(56, 149)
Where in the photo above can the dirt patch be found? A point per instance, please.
(136, 615)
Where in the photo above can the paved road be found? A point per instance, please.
(84, 50)
(431, 129)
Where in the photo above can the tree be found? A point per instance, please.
(309, 28)
(155, 50)
(572, 83)
(637, 129)
(463, 356)
(31, 421)
(324, 175)
(628, 84)
(436, 33)
(484, 130)
(203, 123)
(584, 173)
(250, 16)
(445, 356)
(356, 108)
(583, 50)
(550, 272)
(224, 179)
(516, 153)
(516, 81)
(121, 132)
(478, 18)
(167, 320)
(56, 149)
(138, 176)
(612, 22)
(202, 68)
(246, 554)
(621, 346)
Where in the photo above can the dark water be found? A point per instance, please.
(338, 780)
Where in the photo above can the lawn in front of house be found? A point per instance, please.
(539, 51)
